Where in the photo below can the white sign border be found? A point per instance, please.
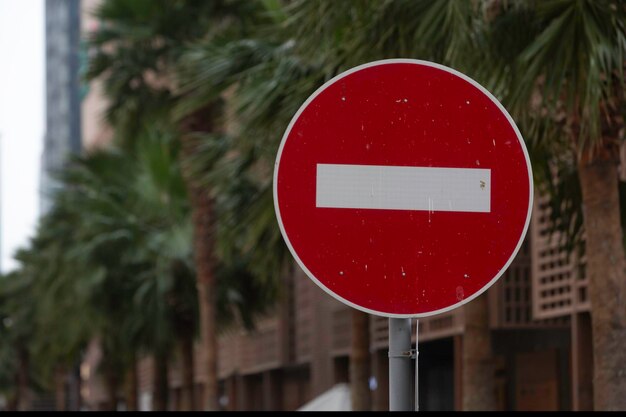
(415, 62)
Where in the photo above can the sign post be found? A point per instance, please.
(400, 364)
(403, 188)
(417, 368)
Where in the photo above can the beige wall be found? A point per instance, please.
(95, 131)
(92, 390)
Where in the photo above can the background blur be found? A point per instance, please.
(22, 107)
(141, 264)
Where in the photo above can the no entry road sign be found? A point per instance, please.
(403, 188)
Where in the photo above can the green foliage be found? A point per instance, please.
(16, 327)
(269, 74)
(557, 65)
(136, 53)
(112, 259)
(565, 65)
(136, 44)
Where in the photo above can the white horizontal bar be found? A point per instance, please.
(403, 188)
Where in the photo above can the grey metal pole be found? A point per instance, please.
(417, 368)
(400, 365)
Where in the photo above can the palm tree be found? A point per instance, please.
(141, 212)
(138, 237)
(273, 71)
(8, 354)
(270, 82)
(564, 66)
(16, 327)
(111, 260)
(135, 50)
(56, 298)
(558, 66)
(48, 304)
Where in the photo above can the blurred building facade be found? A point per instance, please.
(63, 91)
(95, 131)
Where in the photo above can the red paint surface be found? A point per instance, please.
(393, 261)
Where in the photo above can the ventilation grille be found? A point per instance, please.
(559, 284)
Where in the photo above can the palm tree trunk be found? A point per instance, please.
(209, 336)
(360, 362)
(607, 284)
(202, 218)
(59, 389)
(111, 380)
(161, 383)
(23, 397)
(479, 389)
(188, 401)
(12, 402)
(132, 381)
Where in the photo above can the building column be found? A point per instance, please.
(321, 344)
(243, 394)
(380, 367)
(232, 389)
(458, 372)
(582, 362)
(272, 391)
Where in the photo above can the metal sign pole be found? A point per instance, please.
(400, 364)
(417, 374)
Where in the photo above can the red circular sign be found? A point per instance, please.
(403, 188)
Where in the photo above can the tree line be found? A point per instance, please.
(168, 235)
